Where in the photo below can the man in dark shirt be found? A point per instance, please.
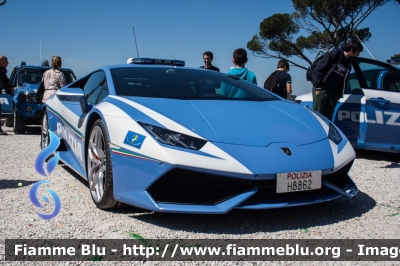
(208, 57)
(285, 80)
(329, 77)
(5, 83)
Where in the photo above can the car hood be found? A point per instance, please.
(241, 122)
(26, 87)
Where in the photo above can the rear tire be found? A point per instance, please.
(8, 122)
(99, 167)
(19, 126)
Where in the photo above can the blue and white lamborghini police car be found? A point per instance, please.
(369, 112)
(165, 137)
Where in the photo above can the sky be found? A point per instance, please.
(88, 34)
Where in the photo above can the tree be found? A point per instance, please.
(329, 24)
(395, 56)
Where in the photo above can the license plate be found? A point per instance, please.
(298, 181)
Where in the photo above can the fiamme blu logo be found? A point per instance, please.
(50, 165)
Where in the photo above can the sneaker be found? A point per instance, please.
(3, 133)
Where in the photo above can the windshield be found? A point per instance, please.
(181, 83)
(34, 76)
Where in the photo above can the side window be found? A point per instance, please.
(103, 93)
(371, 77)
(79, 84)
(94, 86)
(69, 77)
(391, 82)
(378, 75)
(352, 84)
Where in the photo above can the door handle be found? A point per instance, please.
(379, 100)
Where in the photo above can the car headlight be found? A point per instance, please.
(334, 134)
(173, 138)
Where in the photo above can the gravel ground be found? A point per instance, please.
(372, 214)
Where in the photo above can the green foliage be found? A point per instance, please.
(278, 26)
(97, 258)
(395, 56)
(396, 209)
(140, 238)
(305, 230)
(328, 24)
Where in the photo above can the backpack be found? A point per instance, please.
(311, 68)
(313, 65)
(272, 84)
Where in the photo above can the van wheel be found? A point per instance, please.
(8, 122)
(19, 123)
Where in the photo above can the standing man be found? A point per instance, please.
(5, 83)
(208, 57)
(329, 77)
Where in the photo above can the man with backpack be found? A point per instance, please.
(280, 82)
(328, 76)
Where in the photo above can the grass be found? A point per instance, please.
(97, 258)
(140, 238)
(305, 230)
(397, 209)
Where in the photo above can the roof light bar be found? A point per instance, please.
(158, 61)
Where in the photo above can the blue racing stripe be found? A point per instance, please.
(132, 112)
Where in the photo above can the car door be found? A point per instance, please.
(380, 84)
(94, 90)
(6, 100)
(73, 126)
(349, 112)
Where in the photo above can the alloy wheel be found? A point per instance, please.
(96, 161)
(45, 132)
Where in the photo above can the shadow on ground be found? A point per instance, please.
(30, 130)
(253, 221)
(15, 183)
(75, 175)
(378, 156)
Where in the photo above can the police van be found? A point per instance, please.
(22, 108)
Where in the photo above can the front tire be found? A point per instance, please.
(99, 167)
(19, 123)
